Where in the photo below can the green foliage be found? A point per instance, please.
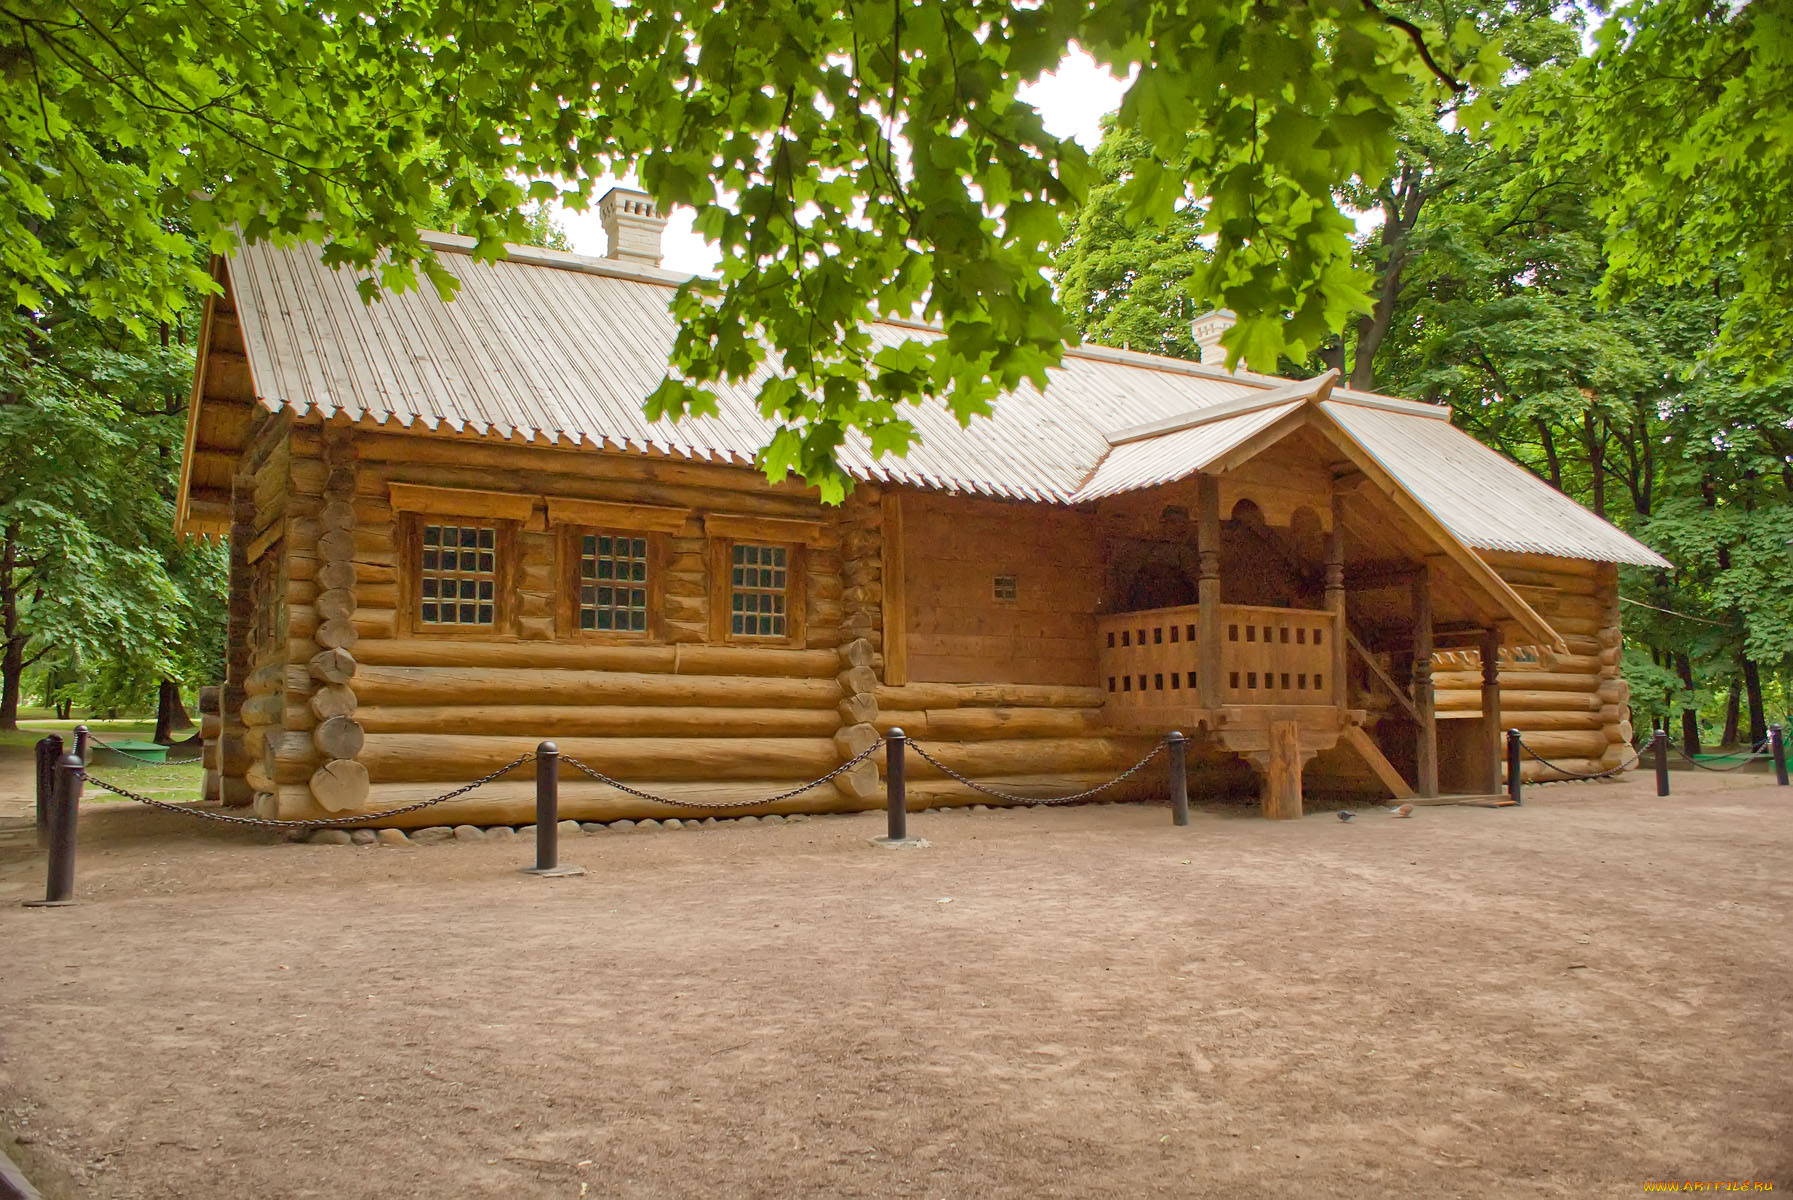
(1493, 294)
(1679, 123)
(1127, 283)
(96, 593)
(849, 163)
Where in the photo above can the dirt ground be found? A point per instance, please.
(1569, 999)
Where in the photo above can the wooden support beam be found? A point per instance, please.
(1387, 681)
(1207, 592)
(1426, 756)
(1492, 748)
(1280, 766)
(893, 607)
(1335, 601)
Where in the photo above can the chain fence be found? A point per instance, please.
(1013, 798)
(348, 822)
(720, 805)
(139, 756)
(1576, 776)
(1756, 753)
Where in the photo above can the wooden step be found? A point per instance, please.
(1358, 740)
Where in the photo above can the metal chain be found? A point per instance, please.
(1011, 798)
(1576, 775)
(143, 758)
(1754, 755)
(721, 805)
(320, 823)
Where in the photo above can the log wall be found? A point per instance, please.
(1573, 707)
(369, 710)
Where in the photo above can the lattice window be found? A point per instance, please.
(1006, 589)
(458, 575)
(613, 583)
(758, 588)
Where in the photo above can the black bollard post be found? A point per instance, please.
(547, 814)
(59, 886)
(1659, 744)
(1515, 769)
(896, 788)
(81, 750)
(1179, 778)
(1777, 747)
(49, 753)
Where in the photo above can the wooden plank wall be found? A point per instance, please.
(958, 632)
(680, 716)
(1572, 707)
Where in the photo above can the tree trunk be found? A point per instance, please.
(171, 713)
(1690, 717)
(1758, 715)
(1732, 703)
(12, 658)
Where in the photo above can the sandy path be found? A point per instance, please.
(1566, 999)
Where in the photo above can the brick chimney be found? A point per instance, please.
(1207, 330)
(632, 226)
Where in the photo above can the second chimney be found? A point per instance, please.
(1207, 330)
(632, 226)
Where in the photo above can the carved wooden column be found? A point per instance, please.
(1426, 756)
(1493, 750)
(1335, 601)
(1209, 684)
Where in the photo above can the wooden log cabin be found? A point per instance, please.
(453, 534)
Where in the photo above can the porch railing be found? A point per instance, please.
(1268, 655)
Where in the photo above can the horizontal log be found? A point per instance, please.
(333, 700)
(1460, 699)
(930, 696)
(338, 737)
(555, 722)
(386, 685)
(333, 666)
(297, 716)
(290, 756)
(263, 680)
(269, 709)
(424, 757)
(511, 801)
(925, 794)
(1046, 755)
(1530, 681)
(1557, 745)
(976, 724)
(339, 786)
(673, 659)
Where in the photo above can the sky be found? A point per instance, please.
(1072, 102)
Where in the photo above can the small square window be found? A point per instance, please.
(1005, 589)
(457, 581)
(613, 577)
(759, 585)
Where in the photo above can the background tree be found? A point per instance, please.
(778, 122)
(1128, 283)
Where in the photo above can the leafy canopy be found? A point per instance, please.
(851, 163)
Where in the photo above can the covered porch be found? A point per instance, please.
(1293, 620)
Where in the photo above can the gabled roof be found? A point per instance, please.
(547, 345)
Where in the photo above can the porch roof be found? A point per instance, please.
(559, 348)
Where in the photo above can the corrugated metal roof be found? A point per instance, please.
(550, 345)
(1169, 457)
(1487, 500)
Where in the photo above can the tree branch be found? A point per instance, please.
(1418, 38)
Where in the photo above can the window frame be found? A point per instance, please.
(504, 577)
(722, 555)
(566, 572)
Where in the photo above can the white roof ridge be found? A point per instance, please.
(1315, 389)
